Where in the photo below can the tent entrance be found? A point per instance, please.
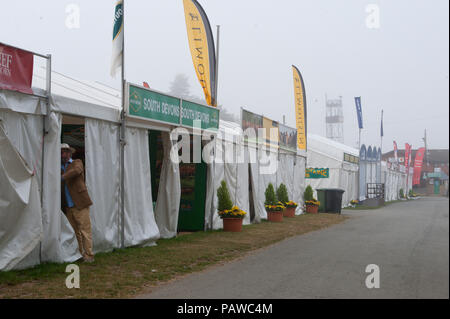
(156, 159)
(191, 216)
(250, 194)
(72, 133)
(193, 195)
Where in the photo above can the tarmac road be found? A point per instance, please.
(409, 241)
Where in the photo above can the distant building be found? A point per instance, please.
(435, 169)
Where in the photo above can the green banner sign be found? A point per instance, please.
(207, 115)
(151, 105)
(317, 173)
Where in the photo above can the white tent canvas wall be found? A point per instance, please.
(395, 180)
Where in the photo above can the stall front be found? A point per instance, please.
(181, 132)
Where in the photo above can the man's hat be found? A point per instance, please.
(65, 146)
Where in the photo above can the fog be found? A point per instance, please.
(400, 66)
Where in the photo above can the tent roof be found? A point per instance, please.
(95, 93)
(329, 147)
(80, 90)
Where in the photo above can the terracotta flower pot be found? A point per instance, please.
(289, 212)
(232, 224)
(312, 209)
(275, 216)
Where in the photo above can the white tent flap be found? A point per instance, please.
(20, 208)
(103, 182)
(140, 225)
(169, 193)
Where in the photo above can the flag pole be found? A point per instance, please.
(216, 104)
(122, 136)
(359, 140)
(359, 152)
(382, 132)
(217, 66)
(359, 166)
(381, 150)
(407, 148)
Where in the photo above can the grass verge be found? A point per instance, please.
(128, 272)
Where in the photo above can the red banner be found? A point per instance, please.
(418, 161)
(16, 69)
(407, 156)
(395, 152)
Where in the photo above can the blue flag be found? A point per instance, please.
(359, 111)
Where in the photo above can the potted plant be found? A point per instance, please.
(402, 193)
(283, 198)
(273, 207)
(232, 219)
(413, 195)
(353, 202)
(290, 209)
(231, 215)
(311, 204)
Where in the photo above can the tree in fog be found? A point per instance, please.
(180, 86)
(228, 116)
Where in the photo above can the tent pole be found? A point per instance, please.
(44, 132)
(217, 67)
(49, 93)
(211, 209)
(359, 166)
(122, 136)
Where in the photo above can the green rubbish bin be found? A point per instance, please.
(330, 199)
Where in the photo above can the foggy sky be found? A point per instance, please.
(402, 67)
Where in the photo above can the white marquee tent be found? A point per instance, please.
(23, 119)
(326, 153)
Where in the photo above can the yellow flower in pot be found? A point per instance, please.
(232, 216)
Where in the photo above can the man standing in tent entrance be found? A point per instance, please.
(75, 201)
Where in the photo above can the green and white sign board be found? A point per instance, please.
(151, 105)
(317, 173)
(207, 115)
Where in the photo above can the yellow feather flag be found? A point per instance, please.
(201, 44)
(300, 108)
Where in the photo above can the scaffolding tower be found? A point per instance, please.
(335, 119)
